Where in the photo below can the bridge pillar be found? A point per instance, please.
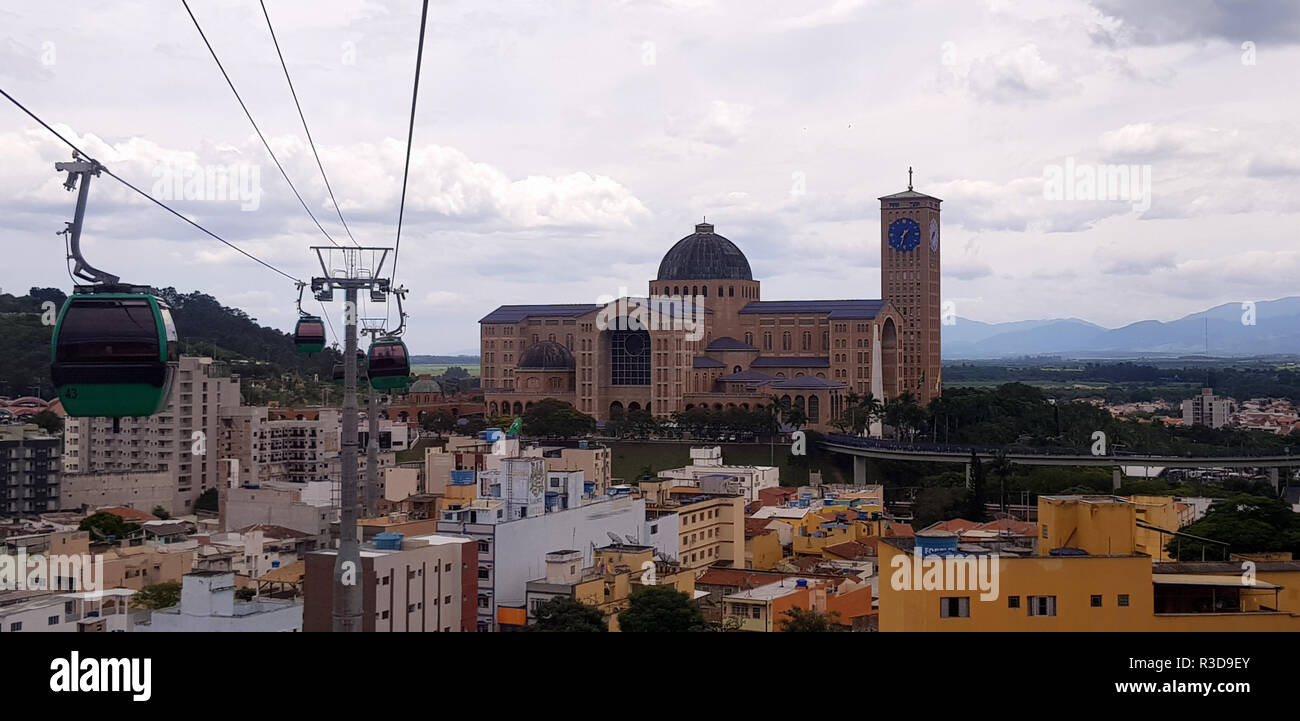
(1273, 478)
(968, 476)
(859, 471)
(1115, 477)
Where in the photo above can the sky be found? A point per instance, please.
(561, 147)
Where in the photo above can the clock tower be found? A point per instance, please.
(909, 279)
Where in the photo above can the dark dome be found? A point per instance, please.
(546, 356)
(704, 255)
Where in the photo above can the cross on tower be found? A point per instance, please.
(909, 177)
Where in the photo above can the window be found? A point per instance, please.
(16, 626)
(756, 611)
(482, 546)
(1042, 605)
(446, 599)
(482, 602)
(410, 608)
(482, 572)
(1096, 601)
(447, 568)
(383, 615)
(629, 357)
(954, 607)
(53, 620)
(1013, 602)
(1123, 600)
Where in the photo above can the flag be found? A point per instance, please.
(516, 426)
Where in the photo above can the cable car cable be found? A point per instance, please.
(303, 118)
(254, 122)
(148, 197)
(410, 133)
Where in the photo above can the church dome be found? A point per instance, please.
(425, 386)
(704, 255)
(546, 356)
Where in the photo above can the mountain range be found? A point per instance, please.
(1227, 328)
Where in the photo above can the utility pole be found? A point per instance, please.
(352, 275)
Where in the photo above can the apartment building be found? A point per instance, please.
(1087, 574)
(424, 583)
(616, 572)
(511, 549)
(82, 612)
(1206, 410)
(708, 473)
(208, 605)
(183, 440)
(710, 527)
(295, 450)
(29, 470)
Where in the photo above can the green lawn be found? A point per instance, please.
(631, 456)
(435, 369)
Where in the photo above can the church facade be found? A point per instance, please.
(710, 339)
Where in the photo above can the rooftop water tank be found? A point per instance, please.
(936, 542)
(389, 541)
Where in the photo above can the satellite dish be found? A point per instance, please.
(630, 539)
(614, 537)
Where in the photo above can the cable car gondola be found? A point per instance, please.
(361, 369)
(114, 352)
(309, 334)
(389, 364)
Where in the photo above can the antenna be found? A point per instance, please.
(614, 537)
(630, 539)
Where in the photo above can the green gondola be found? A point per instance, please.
(309, 334)
(389, 364)
(114, 353)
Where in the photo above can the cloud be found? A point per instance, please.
(1017, 75)
(1157, 22)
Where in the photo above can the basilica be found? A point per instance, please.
(721, 345)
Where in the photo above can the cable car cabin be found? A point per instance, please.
(113, 355)
(309, 334)
(361, 369)
(390, 365)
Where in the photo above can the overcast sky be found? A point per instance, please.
(561, 147)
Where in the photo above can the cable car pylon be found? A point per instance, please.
(350, 269)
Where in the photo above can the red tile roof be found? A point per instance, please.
(851, 550)
(128, 514)
(956, 524)
(757, 527)
(903, 530)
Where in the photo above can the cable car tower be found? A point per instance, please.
(350, 269)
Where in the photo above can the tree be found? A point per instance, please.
(661, 609)
(557, 419)
(245, 594)
(103, 525)
(440, 421)
(207, 501)
(157, 596)
(797, 620)
(1248, 524)
(161, 512)
(49, 421)
(564, 614)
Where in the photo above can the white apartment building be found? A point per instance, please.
(1206, 410)
(84, 612)
(183, 439)
(708, 473)
(208, 605)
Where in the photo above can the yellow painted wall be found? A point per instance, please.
(1103, 528)
(1073, 581)
(763, 552)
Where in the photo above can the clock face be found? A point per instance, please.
(934, 234)
(904, 234)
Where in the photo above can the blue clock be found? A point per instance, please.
(904, 234)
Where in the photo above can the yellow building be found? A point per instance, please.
(832, 526)
(762, 544)
(617, 570)
(711, 526)
(1086, 576)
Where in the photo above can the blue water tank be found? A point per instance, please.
(389, 541)
(492, 435)
(462, 478)
(801, 583)
(582, 445)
